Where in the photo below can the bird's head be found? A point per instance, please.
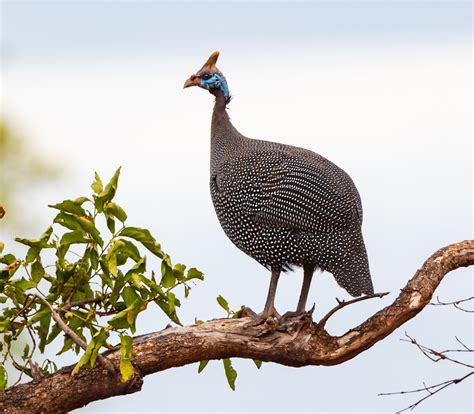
(210, 78)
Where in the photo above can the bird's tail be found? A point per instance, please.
(351, 267)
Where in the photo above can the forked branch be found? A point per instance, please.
(428, 391)
(300, 343)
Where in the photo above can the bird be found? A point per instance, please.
(282, 205)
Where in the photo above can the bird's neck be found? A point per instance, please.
(225, 139)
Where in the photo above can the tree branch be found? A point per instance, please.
(300, 343)
(69, 332)
(430, 390)
(454, 303)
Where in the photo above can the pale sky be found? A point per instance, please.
(382, 89)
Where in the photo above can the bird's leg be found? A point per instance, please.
(269, 309)
(308, 276)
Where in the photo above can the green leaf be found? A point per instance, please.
(41, 243)
(32, 254)
(111, 224)
(67, 220)
(69, 206)
(94, 258)
(168, 278)
(110, 259)
(88, 225)
(23, 284)
(153, 286)
(99, 340)
(116, 211)
(74, 237)
(171, 302)
(230, 373)
(81, 200)
(145, 238)
(3, 378)
(193, 273)
(37, 271)
(55, 331)
(49, 367)
(2, 246)
(67, 345)
(138, 267)
(178, 271)
(129, 295)
(202, 365)
(62, 250)
(43, 330)
(164, 305)
(4, 326)
(26, 351)
(130, 250)
(85, 358)
(108, 193)
(111, 262)
(120, 321)
(97, 186)
(7, 259)
(38, 243)
(47, 234)
(126, 367)
(136, 280)
(223, 303)
(43, 313)
(258, 363)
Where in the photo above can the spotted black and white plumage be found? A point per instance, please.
(284, 206)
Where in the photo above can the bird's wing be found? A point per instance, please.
(299, 192)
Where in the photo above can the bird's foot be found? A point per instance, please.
(246, 312)
(292, 314)
(293, 322)
(298, 313)
(270, 317)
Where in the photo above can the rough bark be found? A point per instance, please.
(294, 342)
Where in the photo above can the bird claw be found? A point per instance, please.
(294, 314)
(262, 318)
(246, 312)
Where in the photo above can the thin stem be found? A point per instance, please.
(80, 303)
(343, 303)
(437, 388)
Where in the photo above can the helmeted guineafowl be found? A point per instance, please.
(282, 205)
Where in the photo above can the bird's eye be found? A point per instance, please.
(205, 75)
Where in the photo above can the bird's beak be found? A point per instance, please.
(192, 81)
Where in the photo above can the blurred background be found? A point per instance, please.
(383, 89)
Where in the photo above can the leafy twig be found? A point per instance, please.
(69, 332)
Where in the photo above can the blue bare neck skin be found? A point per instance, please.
(216, 81)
